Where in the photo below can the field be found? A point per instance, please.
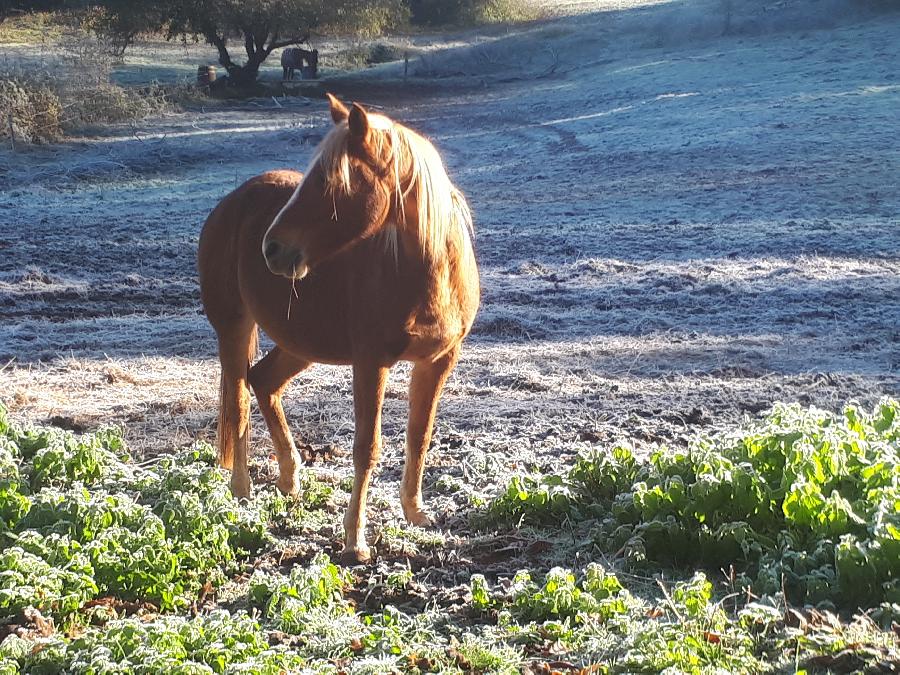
(686, 215)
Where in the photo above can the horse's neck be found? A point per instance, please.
(413, 241)
(432, 260)
(416, 244)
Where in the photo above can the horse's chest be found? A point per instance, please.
(440, 319)
(406, 316)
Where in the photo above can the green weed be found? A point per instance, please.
(287, 601)
(807, 501)
(79, 521)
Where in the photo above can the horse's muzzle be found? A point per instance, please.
(284, 260)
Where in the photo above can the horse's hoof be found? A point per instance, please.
(419, 518)
(240, 486)
(288, 484)
(359, 555)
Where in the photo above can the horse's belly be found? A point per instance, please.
(349, 307)
(308, 341)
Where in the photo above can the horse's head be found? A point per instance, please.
(347, 194)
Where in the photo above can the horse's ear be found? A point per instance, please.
(358, 122)
(339, 111)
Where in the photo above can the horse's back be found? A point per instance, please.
(291, 57)
(241, 218)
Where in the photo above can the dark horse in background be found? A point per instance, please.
(365, 261)
(294, 57)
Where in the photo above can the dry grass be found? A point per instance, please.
(162, 403)
(43, 107)
(30, 29)
(467, 13)
(58, 86)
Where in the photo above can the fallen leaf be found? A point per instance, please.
(712, 638)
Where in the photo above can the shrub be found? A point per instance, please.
(467, 12)
(72, 92)
(33, 109)
(382, 52)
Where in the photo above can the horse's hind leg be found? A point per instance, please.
(237, 347)
(269, 378)
(426, 382)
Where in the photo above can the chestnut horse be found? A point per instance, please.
(366, 260)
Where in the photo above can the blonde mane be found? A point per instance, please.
(415, 163)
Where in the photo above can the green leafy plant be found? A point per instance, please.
(217, 642)
(81, 521)
(807, 496)
(287, 601)
(804, 502)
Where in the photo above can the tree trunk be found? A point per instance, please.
(240, 75)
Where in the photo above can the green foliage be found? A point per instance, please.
(481, 594)
(387, 632)
(287, 601)
(559, 606)
(68, 537)
(411, 540)
(64, 459)
(694, 635)
(807, 496)
(313, 493)
(599, 594)
(29, 580)
(595, 615)
(13, 487)
(537, 500)
(398, 580)
(215, 643)
(486, 656)
(81, 521)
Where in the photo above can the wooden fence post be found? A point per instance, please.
(12, 133)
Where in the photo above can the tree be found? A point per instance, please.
(119, 22)
(10, 8)
(259, 26)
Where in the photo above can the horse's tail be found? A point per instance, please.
(234, 398)
(217, 264)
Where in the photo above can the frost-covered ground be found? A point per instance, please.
(685, 211)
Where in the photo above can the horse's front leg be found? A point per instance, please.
(425, 385)
(269, 378)
(368, 394)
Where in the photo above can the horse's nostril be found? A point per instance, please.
(271, 249)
